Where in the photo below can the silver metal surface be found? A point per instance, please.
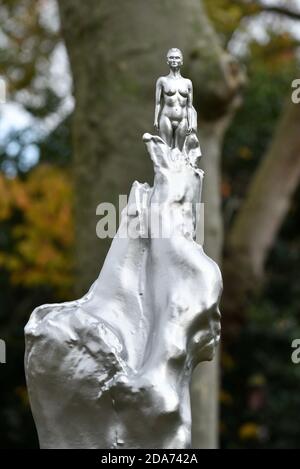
(175, 117)
(112, 370)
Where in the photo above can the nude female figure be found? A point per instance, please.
(174, 103)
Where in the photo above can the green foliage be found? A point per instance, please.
(56, 148)
(249, 136)
(228, 16)
(48, 103)
(27, 42)
(262, 382)
(260, 397)
(35, 268)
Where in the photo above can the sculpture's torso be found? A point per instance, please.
(175, 96)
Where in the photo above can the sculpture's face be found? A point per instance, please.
(174, 58)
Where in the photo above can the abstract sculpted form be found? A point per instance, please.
(112, 370)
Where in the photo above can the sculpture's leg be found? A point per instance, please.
(180, 134)
(166, 130)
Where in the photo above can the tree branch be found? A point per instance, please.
(292, 14)
(258, 7)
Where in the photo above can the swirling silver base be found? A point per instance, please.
(112, 370)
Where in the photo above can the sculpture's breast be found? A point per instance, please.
(184, 92)
(170, 91)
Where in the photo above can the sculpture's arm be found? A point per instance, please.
(158, 94)
(190, 107)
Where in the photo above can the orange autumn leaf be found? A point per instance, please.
(43, 238)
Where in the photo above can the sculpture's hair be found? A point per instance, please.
(174, 49)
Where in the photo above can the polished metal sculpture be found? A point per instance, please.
(112, 370)
(175, 116)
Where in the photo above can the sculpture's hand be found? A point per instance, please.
(156, 126)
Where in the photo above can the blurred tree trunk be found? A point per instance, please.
(262, 213)
(117, 50)
(206, 375)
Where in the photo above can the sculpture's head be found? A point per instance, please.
(174, 58)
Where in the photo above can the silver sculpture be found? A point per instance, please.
(112, 370)
(175, 116)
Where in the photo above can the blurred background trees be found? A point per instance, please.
(248, 129)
